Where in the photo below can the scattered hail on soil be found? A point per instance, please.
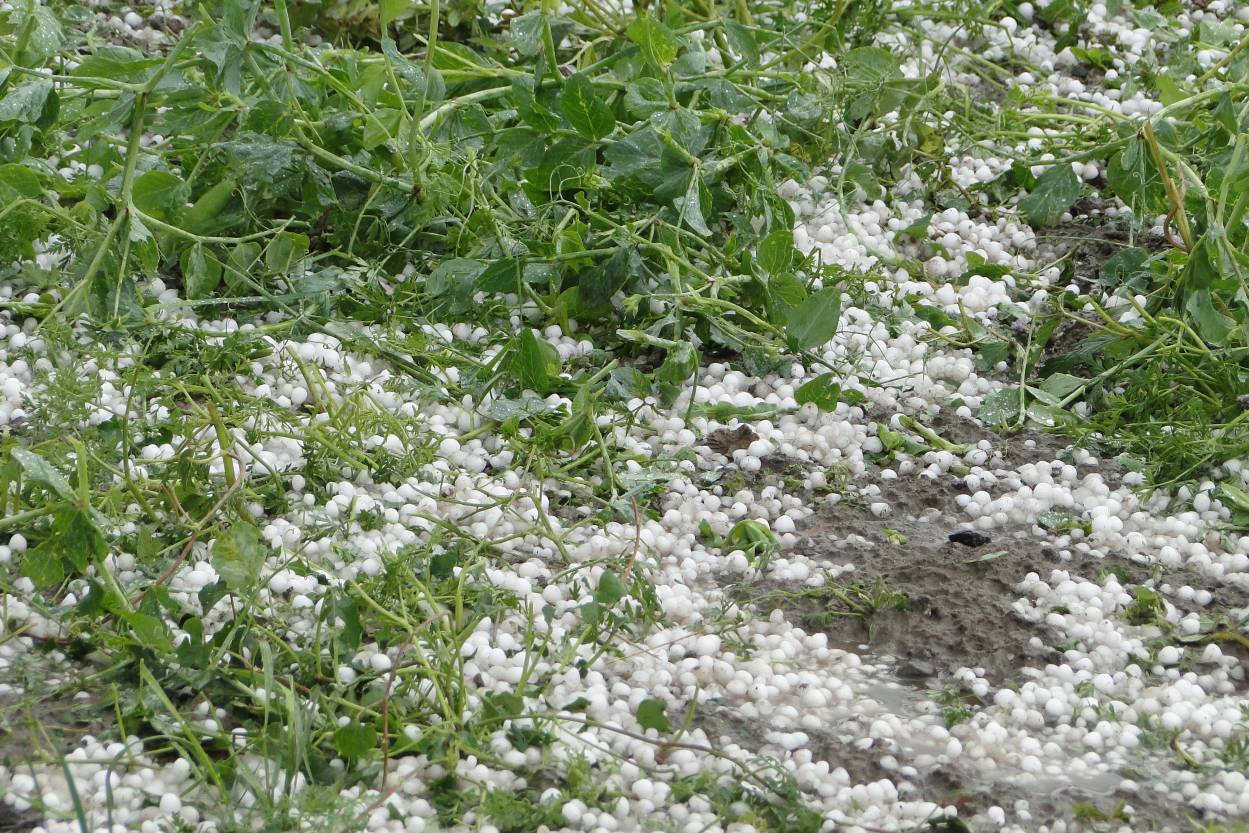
(773, 631)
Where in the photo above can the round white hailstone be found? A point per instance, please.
(170, 803)
(707, 645)
(759, 448)
(573, 811)
(17, 543)
(380, 663)
(1169, 655)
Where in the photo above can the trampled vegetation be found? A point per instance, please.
(380, 384)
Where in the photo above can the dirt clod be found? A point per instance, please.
(727, 440)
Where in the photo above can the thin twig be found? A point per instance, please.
(637, 541)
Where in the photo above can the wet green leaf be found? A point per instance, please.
(1056, 190)
(813, 322)
(355, 740)
(583, 108)
(651, 714)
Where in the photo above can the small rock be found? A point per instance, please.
(969, 538)
(916, 669)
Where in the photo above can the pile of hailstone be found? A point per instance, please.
(767, 692)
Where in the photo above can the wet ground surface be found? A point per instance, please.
(922, 607)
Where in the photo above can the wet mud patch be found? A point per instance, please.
(43, 729)
(931, 604)
(1009, 450)
(1087, 807)
(723, 724)
(11, 821)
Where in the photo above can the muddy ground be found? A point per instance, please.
(958, 612)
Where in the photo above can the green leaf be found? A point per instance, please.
(501, 276)
(813, 323)
(285, 250)
(40, 471)
(1059, 522)
(870, 65)
(237, 556)
(454, 281)
(531, 111)
(389, 11)
(787, 291)
(656, 41)
(1169, 92)
(584, 110)
(1001, 408)
(45, 34)
(20, 180)
(742, 41)
(138, 232)
(645, 97)
(1133, 177)
(1061, 384)
(989, 556)
(776, 251)
(825, 393)
(241, 260)
(599, 283)
(1235, 496)
(527, 34)
(442, 565)
(1211, 324)
(78, 538)
(1056, 190)
(31, 102)
(501, 410)
(690, 207)
(626, 383)
(639, 151)
(201, 271)
(609, 590)
(150, 631)
(651, 715)
(355, 739)
(433, 85)
(158, 194)
(1125, 267)
(43, 565)
(535, 364)
(679, 364)
(918, 230)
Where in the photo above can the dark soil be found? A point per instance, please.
(12, 821)
(1009, 450)
(52, 725)
(959, 608)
